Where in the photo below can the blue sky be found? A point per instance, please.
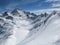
(28, 4)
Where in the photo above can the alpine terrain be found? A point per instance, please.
(19, 27)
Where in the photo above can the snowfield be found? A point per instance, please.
(24, 28)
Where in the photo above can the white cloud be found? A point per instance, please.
(55, 5)
(52, 0)
(45, 10)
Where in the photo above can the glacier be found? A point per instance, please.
(25, 28)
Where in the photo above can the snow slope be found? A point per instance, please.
(47, 34)
(25, 28)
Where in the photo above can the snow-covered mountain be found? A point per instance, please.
(25, 28)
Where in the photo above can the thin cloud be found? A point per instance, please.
(52, 0)
(45, 10)
(23, 2)
(56, 5)
(12, 5)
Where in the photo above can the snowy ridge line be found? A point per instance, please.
(35, 34)
(35, 20)
(40, 22)
(39, 26)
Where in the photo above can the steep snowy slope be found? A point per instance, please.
(47, 34)
(25, 28)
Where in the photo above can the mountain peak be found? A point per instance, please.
(5, 14)
(16, 10)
